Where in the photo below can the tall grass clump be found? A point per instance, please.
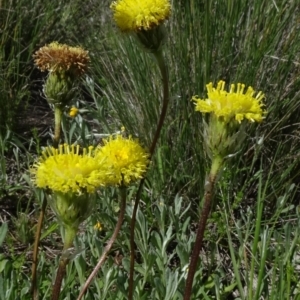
(249, 42)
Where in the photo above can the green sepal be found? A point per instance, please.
(72, 209)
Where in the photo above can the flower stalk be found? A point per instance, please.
(64, 64)
(57, 125)
(72, 175)
(110, 243)
(222, 135)
(208, 196)
(34, 289)
(145, 20)
(126, 161)
(70, 233)
(164, 73)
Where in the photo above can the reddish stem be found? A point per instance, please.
(109, 244)
(164, 73)
(209, 188)
(34, 289)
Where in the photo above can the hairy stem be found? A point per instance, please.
(34, 289)
(164, 73)
(57, 125)
(70, 234)
(209, 188)
(110, 242)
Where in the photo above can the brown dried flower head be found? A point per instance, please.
(56, 57)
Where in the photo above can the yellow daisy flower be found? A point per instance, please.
(137, 15)
(57, 57)
(73, 112)
(124, 158)
(98, 226)
(66, 170)
(236, 104)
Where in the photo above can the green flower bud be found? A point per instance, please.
(72, 209)
(59, 89)
(152, 40)
(221, 138)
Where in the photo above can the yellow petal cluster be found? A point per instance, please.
(56, 57)
(73, 112)
(238, 103)
(98, 226)
(69, 169)
(125, 159)
(137, 15)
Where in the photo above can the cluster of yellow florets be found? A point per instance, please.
(126, 160)
(120, 161)
(223, 133)
(134, 15)
(73, 112)
(67, 170)
(57, 57)
(236, 104)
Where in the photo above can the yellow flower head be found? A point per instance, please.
(66, 170)
(98, 226)
(124, 158)
(136, 15)
(73, 112)
(236, 104)
(57, 57)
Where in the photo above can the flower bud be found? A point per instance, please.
(72, 209)
(59, 89)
